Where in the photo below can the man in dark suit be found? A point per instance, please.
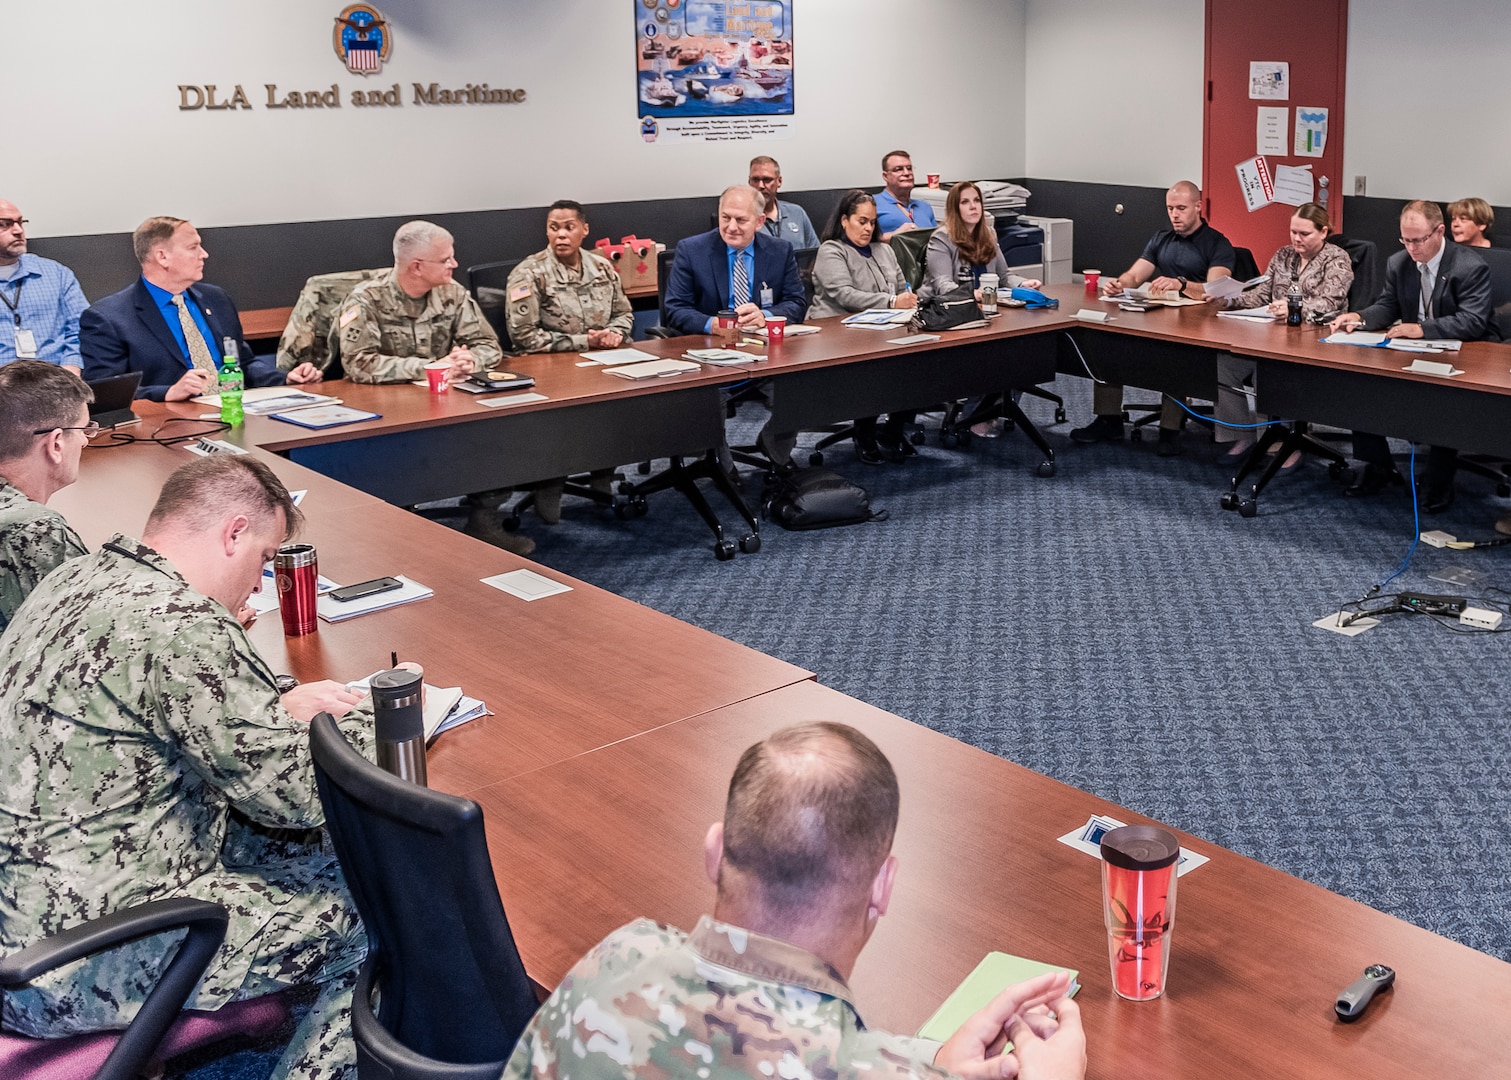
(169, 325)
(1433, 289)
(738, 267)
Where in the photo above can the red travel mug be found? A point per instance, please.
(295, 570)
(1138, 901)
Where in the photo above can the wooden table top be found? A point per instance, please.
(1258, 956)
(563, 675)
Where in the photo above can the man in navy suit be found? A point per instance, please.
(738, 266)
(169, 325)
(1433, 289)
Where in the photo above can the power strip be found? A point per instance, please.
(1428, 604)
(1480, 618)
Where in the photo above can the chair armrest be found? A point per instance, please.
(661, 332)
(108, 931)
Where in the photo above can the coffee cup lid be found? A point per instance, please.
(1140, 847)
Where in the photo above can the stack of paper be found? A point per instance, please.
(1257, 314)
(445, 707)
(336, 611)
(286, 402)
(652, 369)
(880, 318)
(612, 357)
(1225, 287)
(721, 357)
(1367, 338)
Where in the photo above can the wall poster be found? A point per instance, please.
(714, 70)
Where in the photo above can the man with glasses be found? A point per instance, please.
(44, 424)
(783, 219)
(1433, 289)
(42, 300)
(391, 326)
(896, 209)
(170, 324)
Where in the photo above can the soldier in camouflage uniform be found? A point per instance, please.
(803, 854)
(392, 326)
(306, 338)
(37, 396)
(565, 299)
(146, 753)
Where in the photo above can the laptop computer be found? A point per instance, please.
(112, 400)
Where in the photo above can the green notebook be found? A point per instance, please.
(996, 972)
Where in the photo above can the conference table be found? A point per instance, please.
(616, 729)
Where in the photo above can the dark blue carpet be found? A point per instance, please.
(1115, 629)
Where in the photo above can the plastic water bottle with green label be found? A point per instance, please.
(231, 384)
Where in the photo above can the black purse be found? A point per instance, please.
(954, 310)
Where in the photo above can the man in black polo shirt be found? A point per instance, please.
(1183, 257)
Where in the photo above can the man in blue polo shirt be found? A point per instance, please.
(170, 325)
(1180, 259)
(896, 209)
(42, 300)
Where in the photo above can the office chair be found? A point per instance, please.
(1298, 435)
(1499, 260)
(161, 1029)
(452, 992)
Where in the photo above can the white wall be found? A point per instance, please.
(1429, 104)
(97, 141)
(1114, 91)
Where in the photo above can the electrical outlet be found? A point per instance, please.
(1359, 182)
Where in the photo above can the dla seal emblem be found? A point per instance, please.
(362, 39)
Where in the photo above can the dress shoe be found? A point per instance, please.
(1102, 429)
(1168, 444)
(1373, 480)
(483, 524)
(548, 501)
(1437, 499)
(867, 450)
(988, 429)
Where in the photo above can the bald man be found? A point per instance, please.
(804, 870)
(1178, 259)
(42, 298)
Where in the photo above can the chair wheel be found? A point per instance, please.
(511, 523)
(1229, 501)
(1008, 426)
(1059, 416)
(1136, 435)
(965, 437)
(1335, 471)
(816, 458)
(949, 440)
(750, 544)
(1247, 508)
(644, 468)
(1046, 469)
(916, 438)
(724, 550)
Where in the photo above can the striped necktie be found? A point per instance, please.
(1426, 311)
(199, 350)
(739, 289)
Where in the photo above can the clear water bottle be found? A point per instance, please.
(231, 384)
(1293, 304)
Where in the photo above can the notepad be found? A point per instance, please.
(325, 416)
(1368, 338)
(611, 357)
(526, 584)
(883, 317)
(996, 972)
(721, 357)
(335, 611)
(653, 369)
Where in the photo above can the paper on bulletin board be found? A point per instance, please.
(1254, 182)
(1293, 184)
(1270, 79)
(1272, 130)
(1311, 131)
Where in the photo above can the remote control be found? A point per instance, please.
(1357, 995)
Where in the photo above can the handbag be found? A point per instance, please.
(815, 498)
(954, 310)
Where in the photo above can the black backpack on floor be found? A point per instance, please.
(815, 498)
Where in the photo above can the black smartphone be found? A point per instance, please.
(365, 588)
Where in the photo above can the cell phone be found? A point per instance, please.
(365, 588)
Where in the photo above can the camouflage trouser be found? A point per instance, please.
(292, 923)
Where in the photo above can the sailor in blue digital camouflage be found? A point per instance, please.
(391, 326)
(148, 754)
(44, 424)
(804, 871)
(567, 299)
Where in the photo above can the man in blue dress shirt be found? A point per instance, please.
(896, 209)
(170, 325)
(42, 300)
(784, 219)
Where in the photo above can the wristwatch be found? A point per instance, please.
(1183, 282)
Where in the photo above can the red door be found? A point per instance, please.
(1311, 36)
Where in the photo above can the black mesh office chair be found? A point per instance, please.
(1499, 260)
(452, 992)
(205, 924)
(486, 282)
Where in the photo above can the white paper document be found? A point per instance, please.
(526, 584)
(1224, 287)
(609, 357)
(1257, 314)
(1424, 344)
(1271, 131)
(332, 610)
(1270, 80)
(1311, 132)
(1356, 337)
(652, 369)
(1293, 184)
(884, 317)
(1088, 838)
(445, 707)
(510, 399)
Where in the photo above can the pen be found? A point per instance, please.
(393, 659)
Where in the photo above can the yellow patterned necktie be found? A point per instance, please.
(199, 350)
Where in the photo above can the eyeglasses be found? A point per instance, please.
(9, 223)
(90, 430)
(900, 168)
(1415, 241)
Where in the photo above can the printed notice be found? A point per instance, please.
(1270, 79)
(1272, 130)
(1311, 132)
(1254, 181)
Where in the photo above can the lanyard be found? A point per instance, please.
(14, 307)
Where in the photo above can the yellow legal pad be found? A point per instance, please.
(996, 972)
